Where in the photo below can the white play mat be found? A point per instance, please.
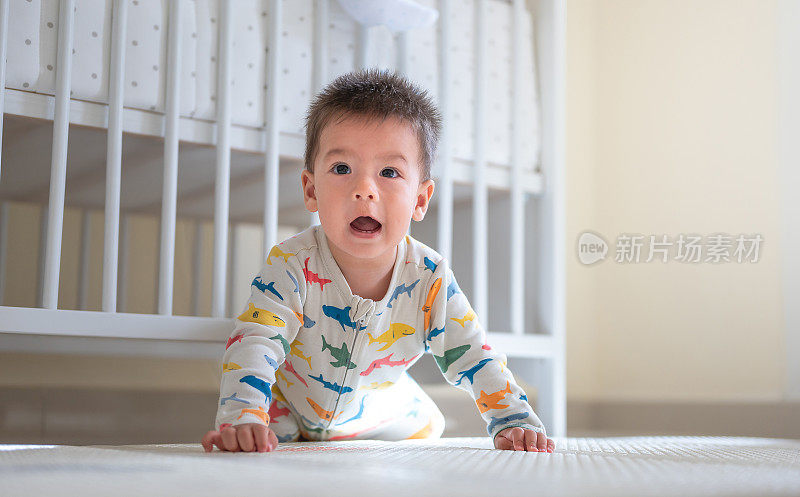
(634, 466)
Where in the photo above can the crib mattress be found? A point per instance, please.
(629, 466)
(32, 48)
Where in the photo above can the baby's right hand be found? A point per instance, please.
(247, 437)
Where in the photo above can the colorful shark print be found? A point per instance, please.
(276, 412)
(261, 286)
(299, 353)
(276, 252)
(260, 412)
(507, 419)
(395, 332)
(358, 415)
(401, 289)
(230, 366)
(434, 332)
(452, 289)
(312, 277)
(233, 397)
(492, 400)
(524, 397)
(469, 316)
(385, 361)
(351, 435)
(271, 287)
(280, 376)
(341, 315)
(290, 368)
(429, 264)
(283, 342)
(376, 386)
(277, 394)
(450, 356)
(261, 316)
(470, 373)
(432, 293)
(260, 385)
(424, 432)
(322, 413)
(317, 427)
(294, 280)
(271, 361)
(234, 339)
(341, 355)
(331, 386)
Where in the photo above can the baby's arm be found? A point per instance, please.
(256, 348)
(458, 343)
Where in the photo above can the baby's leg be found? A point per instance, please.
(401, 412)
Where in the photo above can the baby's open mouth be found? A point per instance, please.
(365, 224)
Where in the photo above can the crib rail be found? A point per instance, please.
(482, 174)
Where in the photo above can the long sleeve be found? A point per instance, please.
(458, 344)
(260, 340)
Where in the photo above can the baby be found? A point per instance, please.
(339, 312)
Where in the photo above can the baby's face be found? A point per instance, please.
(369, 169)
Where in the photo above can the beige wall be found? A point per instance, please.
(671, 128)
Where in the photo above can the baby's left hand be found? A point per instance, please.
(517, 438)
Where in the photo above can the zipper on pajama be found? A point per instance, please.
(346, 369)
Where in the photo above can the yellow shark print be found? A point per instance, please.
(277, 394)
(260, 316)
(469, 316)
(395, 332)
(276, 252)
(230, 366)
(299, 353)
(376, 386)
(260, 412)
(279, 374)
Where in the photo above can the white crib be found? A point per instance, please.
(176, 70)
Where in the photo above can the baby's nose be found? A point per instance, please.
(359, 196)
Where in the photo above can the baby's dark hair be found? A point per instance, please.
(375, 93)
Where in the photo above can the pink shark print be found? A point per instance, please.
(233, 339)
(290, 369)
(312, 277)
(385, 361)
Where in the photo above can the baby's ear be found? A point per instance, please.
(309, 191)
(424, 194)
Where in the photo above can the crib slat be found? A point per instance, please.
(362, 46)
(124, 262)
(403, 52)
(273, 127)
(3, 49)
(223, 176)
(197, 267)
(445, 208)
(517, 215)
(3, 246)
(58, 168)
(231, 270)
(114, 155)
(320, 59)
(170, 185)
(479, 201)
(86, 248)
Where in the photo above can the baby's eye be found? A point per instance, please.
(341, 168)
(392, 172)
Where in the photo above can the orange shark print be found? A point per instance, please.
(469, 316)
(261, 316)
(299, 353)
(426, 309)
(230, 366)
(276, 252)
(290, 368)
(395, 332)
(488, 401)
(322, 413)
(260, 412)
(312, 277)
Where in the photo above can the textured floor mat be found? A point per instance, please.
(635, 466)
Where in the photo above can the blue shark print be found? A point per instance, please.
(340, 315)
(415, 412)
(310, 425)
(429, 264)
(232, 397)
(470, 373)
(271, 361)
(360, 412)
(294, 280)
(287, 438)
(434, 332)
(261, 286)
(524, 397)
(507, 419)
(271, 287)
(308, 322)
(401, 289)
(260, 385)
(452, 289)
(331, 386)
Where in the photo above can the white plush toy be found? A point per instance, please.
(397, 15)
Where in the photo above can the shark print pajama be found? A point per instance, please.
(310, 359)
